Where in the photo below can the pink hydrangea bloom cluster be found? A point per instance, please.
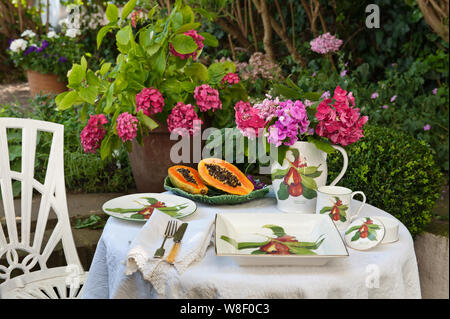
(248, 119)
(150, 101)
(325, 43)
(198, 40)
(126, 126)
(268, 107)
(93, 133)
(292, 120)
(207, 98)
(230, 78)
(136, 16)
(340, 122)
(183, 119)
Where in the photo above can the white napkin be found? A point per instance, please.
(192, 248)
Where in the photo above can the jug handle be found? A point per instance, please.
(344, 167)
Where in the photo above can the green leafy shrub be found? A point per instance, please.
(397, 173)
(85, 173)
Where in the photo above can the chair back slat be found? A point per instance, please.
(53, 198)
(6, 185)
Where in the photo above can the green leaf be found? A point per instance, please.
(159, 63)
(258, 252)
(112, 13)
(279, 173)
(321, 145)
(92, 79)
(69, 99)
(187, 27)
(356, 236)
(101, 34)
(197, 70)
(308, 193)
(106, 147)
(88, 94)
(76, 75)
(216, 72)
(152, 49)
(83, 64)
(287, 92)
(283, 191)
(105, 68)
(150, 123)
(15, 151)
(326, 209)
(301, 251)
(353, 228)
(210, 40)
(277, 230)
(150, 200)
(308, 182)
(123, 37)
(137, 216)
(184, 44)
(128, 8)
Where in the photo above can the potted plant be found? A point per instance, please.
(46, 59)
(158, 85)
(303, 133)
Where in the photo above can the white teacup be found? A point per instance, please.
(335, 201)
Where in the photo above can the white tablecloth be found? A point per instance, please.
(387, 271)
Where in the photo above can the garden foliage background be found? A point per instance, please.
(398, 74)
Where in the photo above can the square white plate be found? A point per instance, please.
(256, 227)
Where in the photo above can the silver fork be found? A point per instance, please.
(170, 231)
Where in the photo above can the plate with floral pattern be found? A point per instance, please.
(139, 207)
(364, 233)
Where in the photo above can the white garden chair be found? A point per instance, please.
(37, 280)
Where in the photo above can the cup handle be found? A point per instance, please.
(361, 206)
(344, 167)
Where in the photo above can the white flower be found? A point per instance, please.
(72, 33)
(18, 45)
(28, 33)
(52, 34)
(63, 22)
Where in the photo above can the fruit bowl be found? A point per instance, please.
(216, 197)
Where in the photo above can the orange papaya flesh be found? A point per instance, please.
(224, 176)
(187, 179)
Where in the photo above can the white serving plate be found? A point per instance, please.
(248, 227)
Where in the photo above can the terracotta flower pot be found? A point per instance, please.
(44, 83)
(150, 162)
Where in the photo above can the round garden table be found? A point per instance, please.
(386, 271)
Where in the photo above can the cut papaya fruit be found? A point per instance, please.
(222, 175)
(187, 179)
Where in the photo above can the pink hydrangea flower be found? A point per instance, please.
(93, 133)
(230, 78)
(183, 120)
(150, 101)
(427, 127)
(435, 91)
(268, 107)
(374, 95)
(385, 107)
(248, 119)
(325, 43)
(340, 122)
(198, 40)
(393, 98)
(126, 126)
(343, 73)
(325, 95)
(207, 98)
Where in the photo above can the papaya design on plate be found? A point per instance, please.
(298, 178)
(147, 210)
(187, 179)
(337, 212)
(366, 230)
(224, 176)
(279, 244)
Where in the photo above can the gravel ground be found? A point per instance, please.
(15, 93)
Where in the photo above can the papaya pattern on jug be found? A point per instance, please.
(298, 178)
(337, 212)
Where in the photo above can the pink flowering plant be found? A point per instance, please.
(331, 120)
(157, 80)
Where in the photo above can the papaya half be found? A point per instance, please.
(187, 179)
(222, 175)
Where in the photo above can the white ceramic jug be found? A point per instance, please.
(304, 169)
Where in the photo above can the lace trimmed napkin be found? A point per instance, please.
(192, 248)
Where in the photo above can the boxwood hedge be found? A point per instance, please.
(397, 173)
